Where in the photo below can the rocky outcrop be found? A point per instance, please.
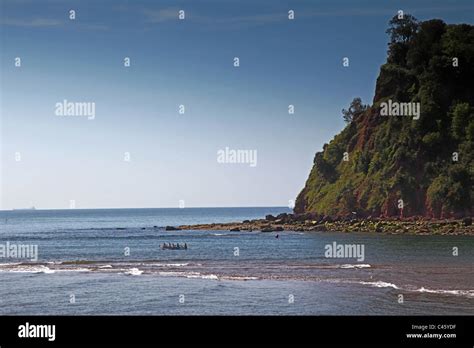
(300, 223)
(411, 165)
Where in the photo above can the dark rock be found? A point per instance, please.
(270, 217)
(246, 221)
(326, 218)
(235, 229)
(300, 217)
(467, 221)
(172, 228)
(321, 228)
(278, 229)
(283, 217)
(305, 217)
(267, 229)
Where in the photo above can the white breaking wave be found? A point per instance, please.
(239, 278)
(134, 272)
(47, 270)
(468, 293)
(28, 269)
(42, 269)
(380, 284)
(362, 265)
(189, 275)
(204, 276)
(167, 264)
(10, 264)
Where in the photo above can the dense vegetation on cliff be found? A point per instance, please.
(392, 166)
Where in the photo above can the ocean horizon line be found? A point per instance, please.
(144, 208)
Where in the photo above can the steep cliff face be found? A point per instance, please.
(421, 162)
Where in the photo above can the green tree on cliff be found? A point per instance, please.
(355, 109)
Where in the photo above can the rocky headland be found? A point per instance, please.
(314, 223)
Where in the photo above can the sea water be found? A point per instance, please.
(109, 261)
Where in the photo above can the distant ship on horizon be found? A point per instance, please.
(30, 208)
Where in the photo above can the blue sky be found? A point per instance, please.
(190, 62)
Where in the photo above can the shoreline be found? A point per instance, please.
(291, 222)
